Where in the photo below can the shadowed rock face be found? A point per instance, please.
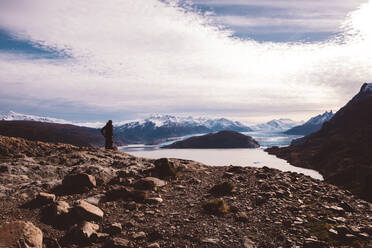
(341, 149)
(223, 139)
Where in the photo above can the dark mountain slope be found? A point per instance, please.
(342, 149)
(52, 132)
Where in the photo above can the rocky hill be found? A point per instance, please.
(312, 125)
(52, 132)
(56, 195)
(341, 149)
(222, 139)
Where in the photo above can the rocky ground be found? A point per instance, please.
(57, 195)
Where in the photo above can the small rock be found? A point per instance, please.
(224, 188)
(216, 207)
(114, 228)
(154, 200)
(153, 245)
(313, 243)
(20, 234)
(87, 211)
(117, 243)
(194, 180)
(95, 200)
(45, 198)
(247, 243)
(346, 207)
(139, 235)
(83, 232)
(210, 241)
(242, 216)
(336, 209)
(333, 232)
(61, 208)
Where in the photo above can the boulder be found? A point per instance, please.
(164, 168)
(20, 234)
(87, 211)
(78, 182)
(149, 183)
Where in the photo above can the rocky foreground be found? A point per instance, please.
(57, 195)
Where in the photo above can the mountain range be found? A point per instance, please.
(158, 128)
(312, 125)
(278, 125)
(341, 149)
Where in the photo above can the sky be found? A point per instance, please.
(250, 60)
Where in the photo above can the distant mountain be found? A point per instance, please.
(158, 128)
(52, 132)
(222, 139)
(341, 149)
(13, 116)
(312, 125)
(279, 125)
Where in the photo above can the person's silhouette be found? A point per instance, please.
(108, 132)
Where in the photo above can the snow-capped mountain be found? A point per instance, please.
(312, 125)
(160, 127)
(278, 125)
(13, 116)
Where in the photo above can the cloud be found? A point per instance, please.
(148, 56)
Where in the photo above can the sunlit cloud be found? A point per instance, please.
(144, 56)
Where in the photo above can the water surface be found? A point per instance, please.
(224, 157)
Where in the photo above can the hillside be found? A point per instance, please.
(52, 132)
(60, 195)
(341, 149)
(312, 125)
(222, 139)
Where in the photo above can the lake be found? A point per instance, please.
(224, 157)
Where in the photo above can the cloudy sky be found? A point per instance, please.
(248, 60)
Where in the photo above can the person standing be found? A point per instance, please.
(108, 132)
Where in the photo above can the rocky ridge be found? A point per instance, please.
(88, 197)
(341, 149)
